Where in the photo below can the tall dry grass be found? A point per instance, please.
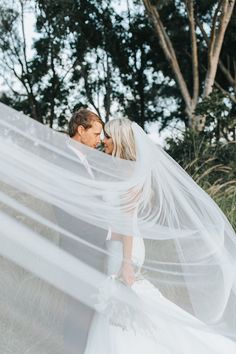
(218, 181)
(211, 165)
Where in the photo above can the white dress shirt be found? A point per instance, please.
(82, 159)
(84, 162)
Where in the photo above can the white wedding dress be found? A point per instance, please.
(164, 336)
(192, 258)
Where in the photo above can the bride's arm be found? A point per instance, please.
(136, 198)
(127, 270)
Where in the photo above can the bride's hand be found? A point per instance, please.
(127, 273)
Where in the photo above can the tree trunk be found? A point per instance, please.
(170, 55)
(221, 19)
(107, 98)
(222, 16)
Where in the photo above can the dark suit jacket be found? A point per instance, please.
(79, 316)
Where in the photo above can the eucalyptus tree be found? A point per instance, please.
(89, 52)
(197, 16)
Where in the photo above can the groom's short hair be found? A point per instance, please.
(82, 117)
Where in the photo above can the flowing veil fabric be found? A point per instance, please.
(54, 220)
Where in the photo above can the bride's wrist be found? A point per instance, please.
(127, 262)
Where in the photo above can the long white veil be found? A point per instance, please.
(54, 220)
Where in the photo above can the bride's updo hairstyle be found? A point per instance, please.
(121, 132)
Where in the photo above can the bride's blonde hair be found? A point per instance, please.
(121, 132)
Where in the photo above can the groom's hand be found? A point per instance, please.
(127, 273)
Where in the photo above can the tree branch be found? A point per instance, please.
(231, 97)
(213, 31)
(12, 89)
(169, 52)
(193, 37)
(86, 84)
(214, 50)
(223, 68)
(227, 73)
(23, 35)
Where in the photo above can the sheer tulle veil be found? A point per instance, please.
(48, 199)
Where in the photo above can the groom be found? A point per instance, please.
(85, 127)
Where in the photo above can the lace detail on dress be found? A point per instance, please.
(120, 313)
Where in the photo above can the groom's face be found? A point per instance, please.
(90, 136)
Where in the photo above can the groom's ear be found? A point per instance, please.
(80, 129)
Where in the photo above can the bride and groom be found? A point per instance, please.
(86, 128)
(171, 337)
(169, 285)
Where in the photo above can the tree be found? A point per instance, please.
(52, 65)
(220, 117)
(88, 53)
(226, 76)
(220, 13)
(13, 59)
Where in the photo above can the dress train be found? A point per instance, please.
(168, 336)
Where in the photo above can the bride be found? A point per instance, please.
(125, 261)
(169, 283)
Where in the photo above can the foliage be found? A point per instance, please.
(90, 53)
(220, 116)
(212, 166)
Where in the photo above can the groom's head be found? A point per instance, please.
(86, 126)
